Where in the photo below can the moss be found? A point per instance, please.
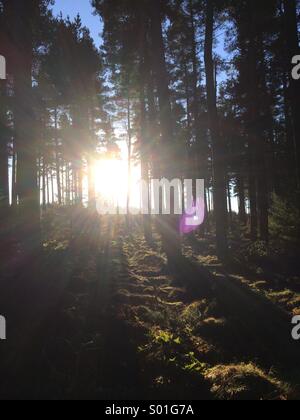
(150, 316)
(260, 285)
(282, 297)
(295, 302)
(243, 382)
(193, 313)
(296, 311)
(209, 260)
(124, 296)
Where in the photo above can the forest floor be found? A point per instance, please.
(98, 316)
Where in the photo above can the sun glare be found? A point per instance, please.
(111, 181)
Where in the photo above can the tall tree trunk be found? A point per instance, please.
(220, 207)
(52, 187)
(229, 201)
(241, 199)
(188, 102)
(152, 127)
(145, 169)
(44, 183)
(129, 150)
(13, 179)
(262, 197)
(68, 184)
(257, 147)
(91, 162)
(201, 157)
(201, 148)
(292, 49)
(144, 133)
(57, 158)
(253, 197)
(80, 184)
(170, 223)
(290, 140)
(47, 185)
(209, 200)
(252, 122)
(63, 183)
(91, 183)
(25, 124)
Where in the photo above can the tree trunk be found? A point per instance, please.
(52, 187)
(13, 179)
(129, 149)
(209, 200)
(229, 202)
(169, 223)
(292, 49)
(80, 184)
(143, 52)
(44, 183)
(57, 159)
(201, 157)
(25, 124)
(91, 183)
(68, 184)
(220, 207)
(257, 146)
(47, 185)
(241, 199)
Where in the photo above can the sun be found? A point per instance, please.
(111, 178)
(112, 182)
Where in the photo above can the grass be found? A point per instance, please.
(196, 338)
(118, 327)
(244, 382)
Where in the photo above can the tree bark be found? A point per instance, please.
(241, 199)
(219, 159)
(170, 223)
(129, 149)
(57, 159)
(144, 132)
(292, 49)
(13, 179)
(257, 147)
(25, 126)
(229, 202)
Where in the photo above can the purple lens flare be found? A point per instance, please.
(193, 217)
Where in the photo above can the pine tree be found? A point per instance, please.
(219, 163)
